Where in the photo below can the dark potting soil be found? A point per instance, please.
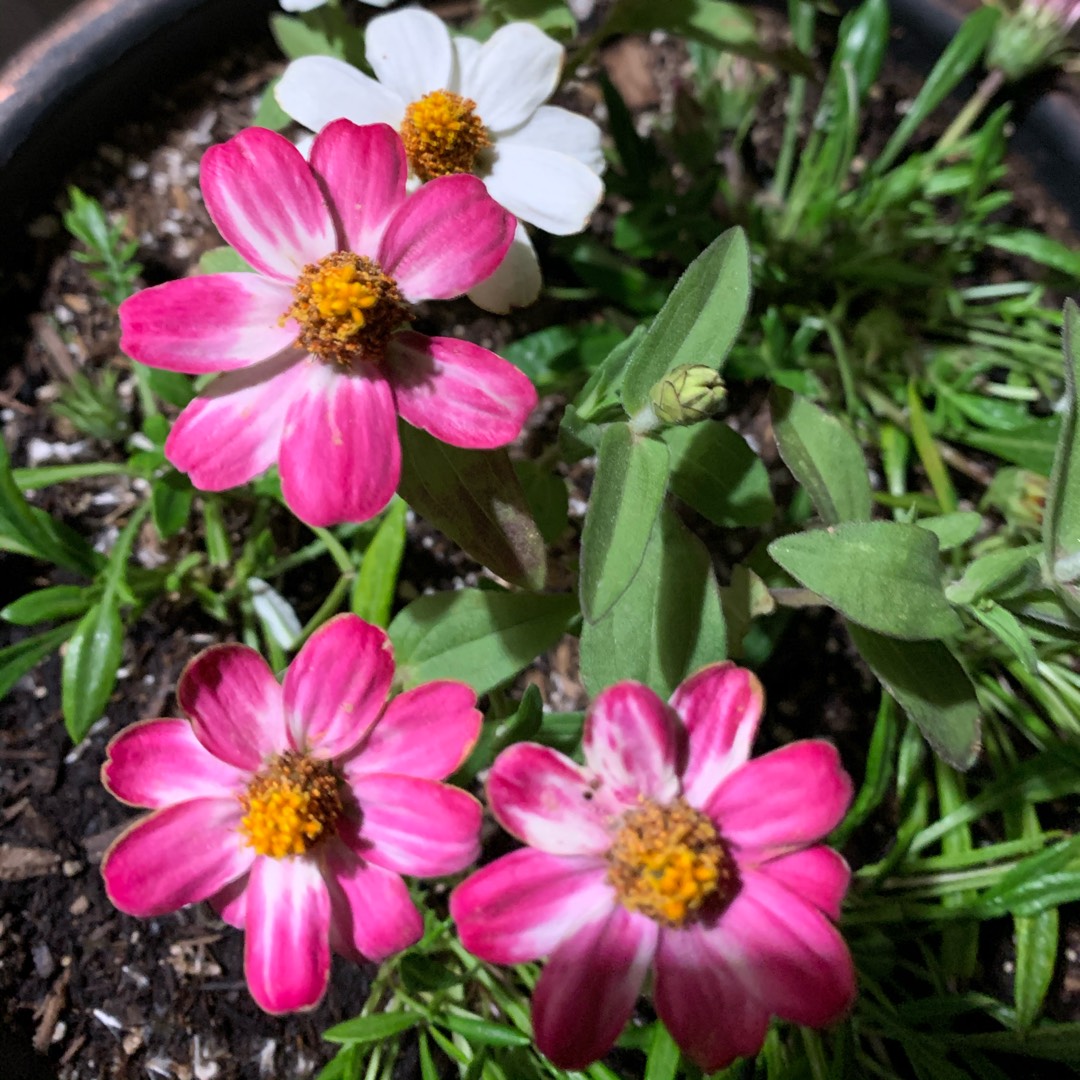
(86, 992)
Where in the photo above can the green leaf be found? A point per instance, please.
(699, 321)
(664, 1056)
(1048, 1042)
(224, 260)
(55, 602)
(46, 475)
(474, 496)
(478, 635)
(715, 471)
(1005, 626)
(1039, 248)
(171, 496)
(862, 41)
(1041, 881)
(631, 478)
(484, 1032)
(298, 37)
(269, 114)
(545, 492)
(952, 530)
(1036, 938)
(376, 583)
(375, 1028)
(881, 574)
(88, 675)
(668, 623)
(928, 451)
(1031, 446)
(1061, 528)
(551, 16)
(993, 571)
(879, 773)
(16, 660)
(931, 687)
(823, 456)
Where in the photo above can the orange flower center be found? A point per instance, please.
(290, 805)
(347, 308)
(668, 862)
(443, 135)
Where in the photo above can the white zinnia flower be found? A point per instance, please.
(465, 107)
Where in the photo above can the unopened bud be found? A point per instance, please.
(1032, 37)
(689, 393)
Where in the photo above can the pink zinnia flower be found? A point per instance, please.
(295, 809)
(317, 365)
(668, 850)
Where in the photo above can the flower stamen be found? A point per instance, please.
(667, 862)
(443, 135)
(347, 309)
(291, 805)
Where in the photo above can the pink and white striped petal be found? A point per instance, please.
(548, 802)
(427, 731)
(461, 393)
(410, 52)
(523, 906)
(789, 957)
(231, 902)
(720, 705)
(232, 432)
(588, 988)
(702, 1002)
(176, 856)
(235, 705)
(372, 914)
(158, 763)
(634, 743)
(337, 685)
(266, 203)
(287, 934)
(415, 826)
(216, 322)
(445, 238)
(818, 875)
(340, 458)
(315, 90)
(781, 801)
(364, 170)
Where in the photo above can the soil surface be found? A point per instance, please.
(86, 992)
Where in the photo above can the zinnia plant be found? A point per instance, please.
(317, 361)
(668, 850)
(463, 107)
(295, 809)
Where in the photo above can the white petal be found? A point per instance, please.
(515, 72)
(545, 188)
(466, 50)
(301, 5)
(552, 128)
(410, 52)
(317, 89)
(516, 281)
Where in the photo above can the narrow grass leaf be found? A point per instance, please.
(376, 582)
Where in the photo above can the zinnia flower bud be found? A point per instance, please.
(1032, 37)
(688, 394)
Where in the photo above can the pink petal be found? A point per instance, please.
(234, 703)
(176, 856)
(720, 706)
(340, 458)
(337, 685)
(523, 906)
(364, 170)
(635, 743)
(789, 957)
(445, 238)
(702, 1002)
(427, 731)
(231, 902)
(372, 914)
(216, 322)
(817, 875)
(287, 938)
(461, 393)
(784, 800)
(415, 826)
(266, 203)
(160, 762)
(589, 987)
(231, 432)
(548, 802)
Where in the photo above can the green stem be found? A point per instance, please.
(336, 550)
(992, 82)
(802, 30)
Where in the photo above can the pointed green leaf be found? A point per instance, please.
(823, 456)
(631, 478)
(376, 583)
(375, 1028)
(16, 660)
(881, 574)
(699, 321)
(1036, 939)
(88, 675)
(55, 602)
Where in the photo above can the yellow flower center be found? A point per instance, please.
(347, 308)
(668, 862)
(290, 805)
(443, 135)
